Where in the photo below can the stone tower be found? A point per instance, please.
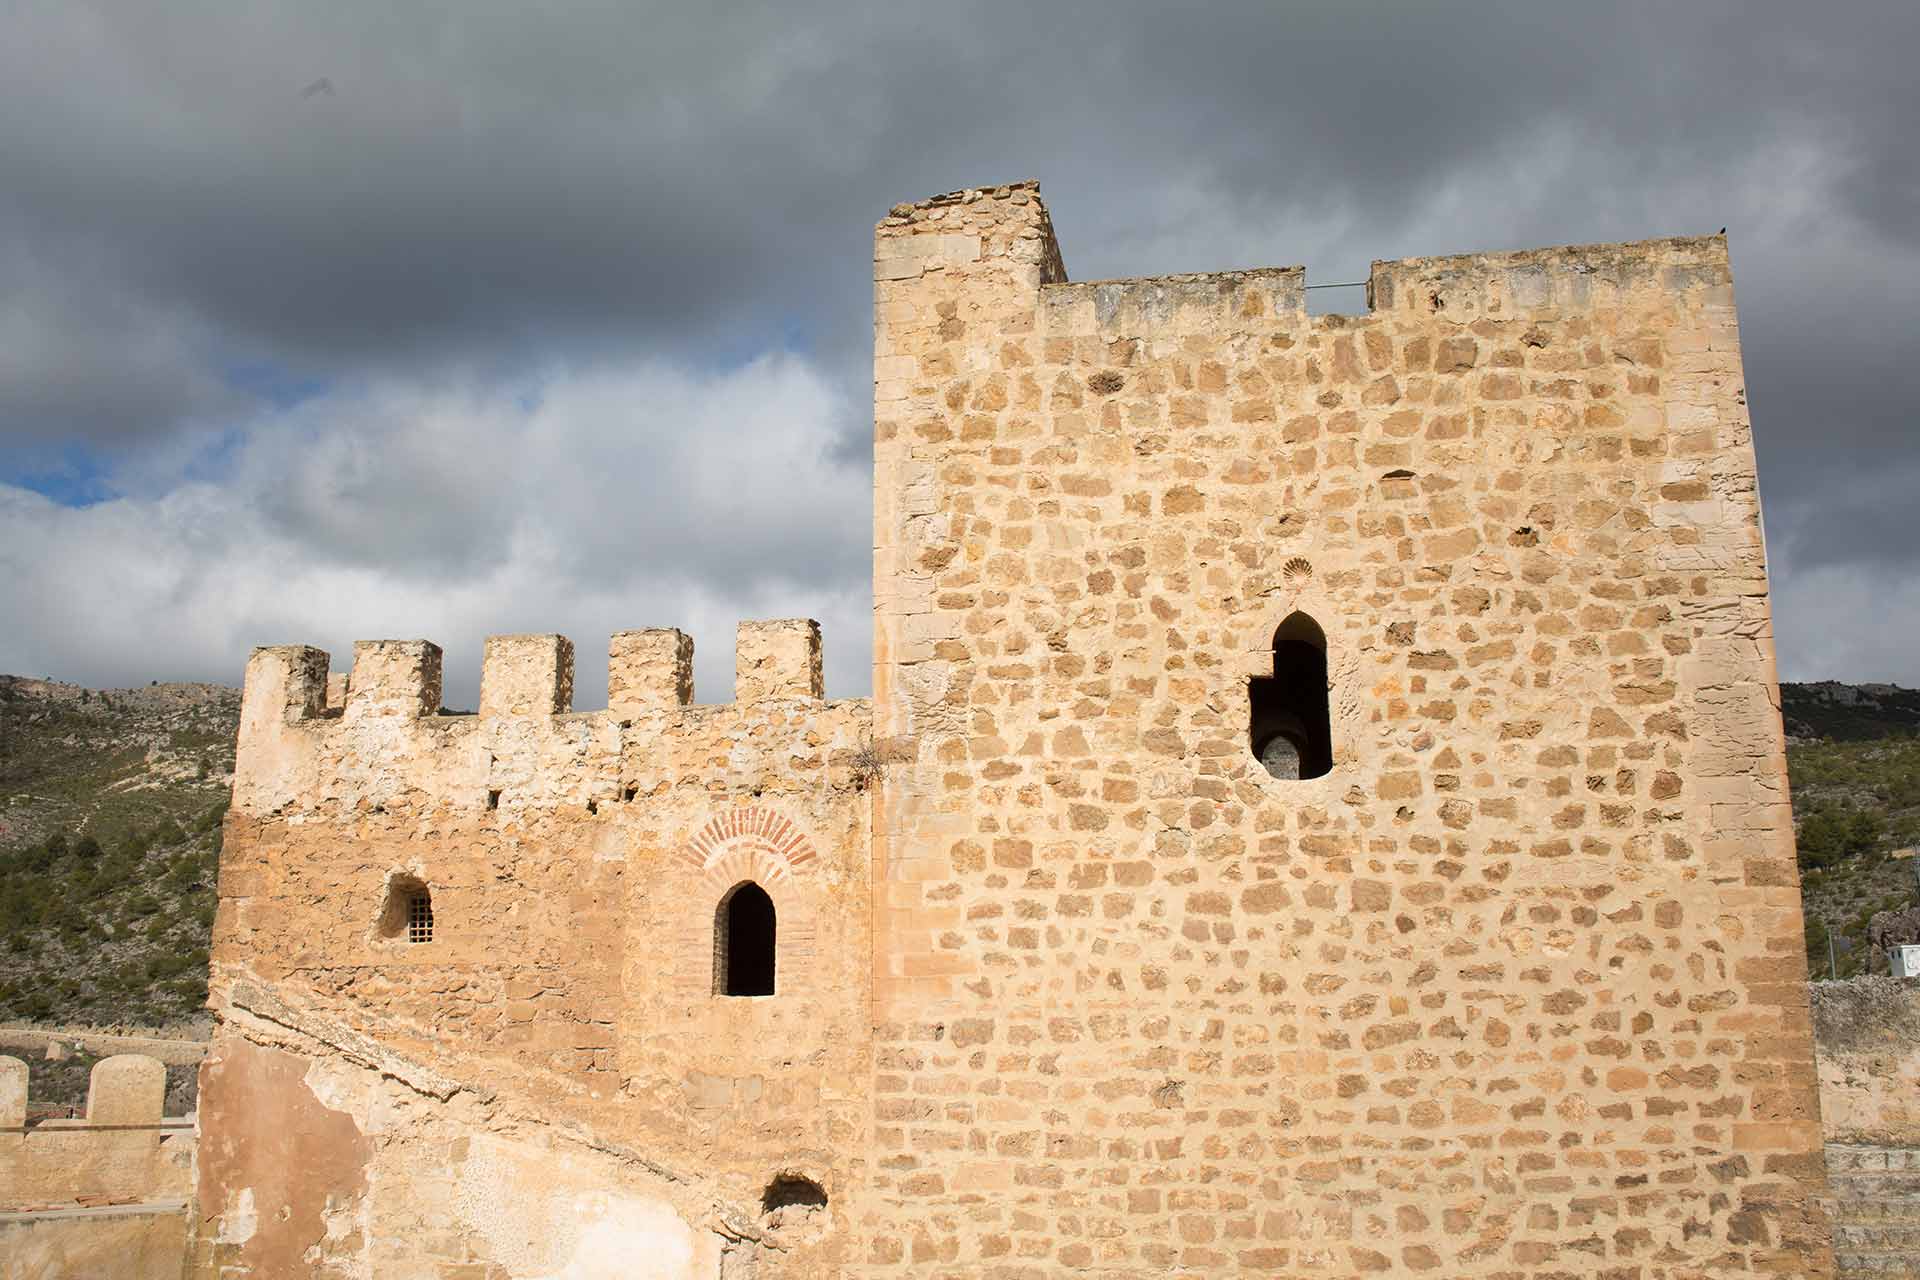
(1322, 811)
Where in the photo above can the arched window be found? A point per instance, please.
(743, 930)
(1289, 729)
(407, 913)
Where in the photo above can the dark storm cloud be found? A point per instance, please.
(489, 192)
(502, 176)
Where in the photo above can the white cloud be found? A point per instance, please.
(583, 500)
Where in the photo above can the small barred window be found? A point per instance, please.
(406, 911)
(419, 918)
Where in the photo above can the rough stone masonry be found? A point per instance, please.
(1322, 812)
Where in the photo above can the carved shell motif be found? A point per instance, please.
(1296, 572)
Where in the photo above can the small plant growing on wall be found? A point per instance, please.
(865, 764)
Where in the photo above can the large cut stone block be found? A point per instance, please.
(128, 1088)
(650, 669)
(393, 678)
(529, 675)
(777, 659)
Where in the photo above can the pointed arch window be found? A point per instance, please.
(1290, 729)
(743, 938)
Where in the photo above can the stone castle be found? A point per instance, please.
(1322, 811)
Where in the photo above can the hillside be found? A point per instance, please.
(1857, 806)
(1849, 712)
(111, 801)
(110, 808)
(1854, 760)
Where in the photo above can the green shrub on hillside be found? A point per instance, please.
(1855, 802)
(1831, 833)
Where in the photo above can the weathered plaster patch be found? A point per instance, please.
(544, 1219)
(241, 1219)
(335, 1088)
(620, 1237)
(270, 1136)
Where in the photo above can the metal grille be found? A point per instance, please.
(420, 918)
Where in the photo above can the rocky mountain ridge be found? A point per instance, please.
(1848, 712)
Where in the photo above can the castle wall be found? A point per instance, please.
(1066, 979)
(1868, 1030)
(1515, 988)
(100, 1244)
(1872, 1095)
(121, 1150)
(103, 1196)
(560, 1032)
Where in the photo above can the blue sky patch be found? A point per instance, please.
(74, 477)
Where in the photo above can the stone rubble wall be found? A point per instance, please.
(1869, 1045)
(1876, 1210)
(41, 1040)
(1515, 990)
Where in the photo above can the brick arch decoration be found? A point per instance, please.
(760, 844)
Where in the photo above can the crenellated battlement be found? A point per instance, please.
(1459, 290)
(122, 1149)
(1567, 279)
(979, 242)
(310, 735)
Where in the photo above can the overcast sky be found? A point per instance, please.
(326, 321)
